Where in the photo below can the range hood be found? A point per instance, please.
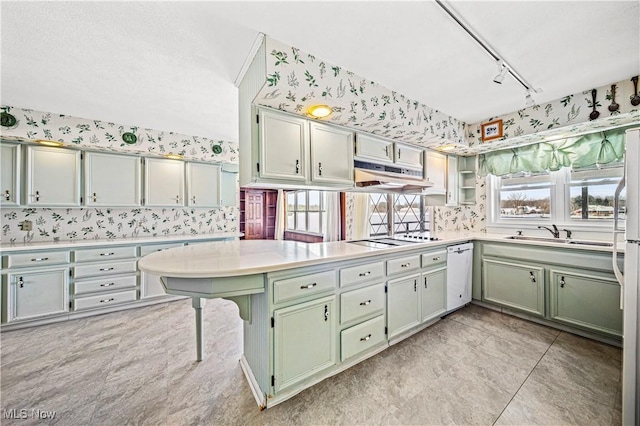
(372, 177)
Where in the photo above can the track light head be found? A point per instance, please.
(502, 72)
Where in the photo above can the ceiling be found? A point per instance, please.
(172, 65)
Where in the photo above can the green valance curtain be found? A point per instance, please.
(581, 151)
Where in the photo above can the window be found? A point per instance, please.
(305, 211)
(406, 212)
(566, 196)
(525, 196)
(592, 192)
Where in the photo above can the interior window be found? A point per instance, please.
(378, 214)
(525, 196)
(399, 213)
(305, 211)
(592, 192)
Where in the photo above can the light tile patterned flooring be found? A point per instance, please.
(476, 366)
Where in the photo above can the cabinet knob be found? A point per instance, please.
(532, 277)
(21, 282)
(7, 195)
(365, 338)
(297, 166)
(562, 283)
(319, 169)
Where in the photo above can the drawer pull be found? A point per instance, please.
(415, 285)
(364, 274)
(405, 265)
(435, 259)
(107, 254)
(365, 338)
(365, 303)
(308, 286)
(111, 299)
(95, 197)
(107, 284)
(532, 277)
(562, 283)
(107, 269)
(39, 259)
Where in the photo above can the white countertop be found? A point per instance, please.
(74, 244)
(237, 258)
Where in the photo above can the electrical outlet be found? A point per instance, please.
(26, 225)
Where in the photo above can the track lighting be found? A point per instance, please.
(501, 73)
(528, 99)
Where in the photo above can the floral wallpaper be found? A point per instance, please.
(102, 135)
(464, 218)
(88, 223)
(562, 117)
(296, 80)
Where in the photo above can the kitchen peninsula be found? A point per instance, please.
(314, 310)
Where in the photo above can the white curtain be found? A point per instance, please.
(360, 216)
(280, 215)
(332, 216)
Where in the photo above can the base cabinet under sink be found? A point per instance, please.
(516, 285)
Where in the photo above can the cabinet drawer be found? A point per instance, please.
(36, 259)
(361, 337)
(103, 300)
(109, 253)
(110, 268)
(403, 264)
(145, 250)
(434, 258)
(89, 286)
(361, 273)
(293, 288)
(361, 303)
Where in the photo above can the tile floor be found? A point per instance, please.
(476, 366)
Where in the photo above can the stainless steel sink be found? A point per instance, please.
(561, 241)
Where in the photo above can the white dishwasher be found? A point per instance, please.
(459, 265)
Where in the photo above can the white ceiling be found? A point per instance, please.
(171, 65)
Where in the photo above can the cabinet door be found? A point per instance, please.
(514, 285)
(304, 341)
(164, 182)
(436, 170)
(402, 304)
(10, 174)
(112, 180)
(409, 156)
(591, 301)
(284, 143)
(372, 148)
(434, 293)
(53, 177)
(33, 294)
(203, 185)
(331, 154)
(452, 180)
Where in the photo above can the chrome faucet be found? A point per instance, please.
(568, 233)
(555, 232)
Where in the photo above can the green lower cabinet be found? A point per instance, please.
(359, 338)
(434, 293)
(305, 341)
(403, 304)
(515, 285)
(586, 300)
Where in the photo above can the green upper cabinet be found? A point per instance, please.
(304, 341)
(331, 154)
(52, 177)
(284, 142)
(164, 182)
(436, 172)
(409, 156)
(515, 285)
(203, 185)
(112, 180)
(10, 174)
(586, 299)
(371, 148)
